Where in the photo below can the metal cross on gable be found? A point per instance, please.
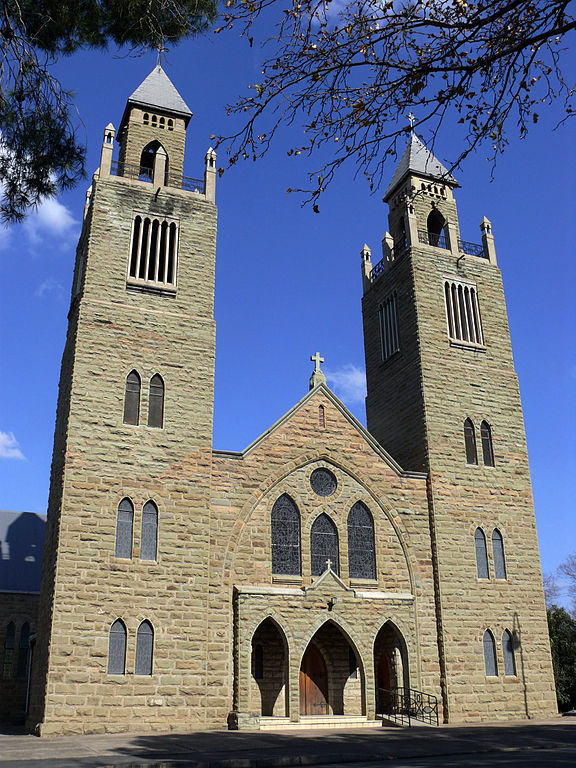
(329, 564)
(316, 359)
(159, 51)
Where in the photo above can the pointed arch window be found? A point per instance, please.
(132, 399)
(481, 554)
(147, 159)
(144, 649)
(22, 664)
(285, 525)
(498, 552)
(361, 551)
(324, 545)
(470, 442)
(149, 539)
(9, 651)
(508, 653)
(487, 451)
(490, 663)
(117, 648)
(153, 252)
(156, 402)
(124, 525)
(436, 233)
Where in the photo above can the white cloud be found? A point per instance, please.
(50, 286)
(9, 448)
(348, 382)
(52, 219)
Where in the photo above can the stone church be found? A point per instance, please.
(327, 574)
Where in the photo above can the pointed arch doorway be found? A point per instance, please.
(313, 683)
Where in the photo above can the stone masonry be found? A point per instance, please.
(230, 630)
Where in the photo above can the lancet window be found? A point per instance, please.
(508, 653)
(490, 664)
(361, 554)
(487, 450)
(149, 539)
(481, 554)
(153, 253)
(117, 648)
(124, 525)
(285, 525)
(324, 545)
(498, 552)
(144, 649)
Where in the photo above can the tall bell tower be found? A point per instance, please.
(128, 538)
(443, 397)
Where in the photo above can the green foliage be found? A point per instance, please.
(39, 151)
(562, 628)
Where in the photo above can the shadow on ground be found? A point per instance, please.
(348, 746)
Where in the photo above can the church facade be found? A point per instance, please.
(328, 570)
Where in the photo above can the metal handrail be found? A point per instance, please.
(402, 705)
(472, 249)
(433, 239)
(186, 183)
(131, 171)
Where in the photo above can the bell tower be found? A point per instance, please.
(443, 397)
(125, 531)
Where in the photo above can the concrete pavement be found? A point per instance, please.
(256, 749)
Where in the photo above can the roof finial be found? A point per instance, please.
(160, 50)
(412, 120)
(317, 375)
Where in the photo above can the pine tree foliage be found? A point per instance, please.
(562, 628)
(40, 153)
(350, 71)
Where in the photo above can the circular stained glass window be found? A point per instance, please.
(323, 482)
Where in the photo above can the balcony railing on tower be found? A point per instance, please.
(143, 173)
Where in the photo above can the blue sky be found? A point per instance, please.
(288, 280)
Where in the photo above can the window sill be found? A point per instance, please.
(460, 344)
(280, 579)
(364, 583)
(144, 286)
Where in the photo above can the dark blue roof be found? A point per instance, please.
(21, 550)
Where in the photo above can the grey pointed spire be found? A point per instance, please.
(157, 90)
(418, 159)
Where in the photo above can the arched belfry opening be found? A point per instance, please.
(269, 670)
(331, 675)
(390, 666)
(436, 226)
(148, 162)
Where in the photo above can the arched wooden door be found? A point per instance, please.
(313, 683)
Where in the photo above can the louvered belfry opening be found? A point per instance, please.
(153, 251)
(462, 312)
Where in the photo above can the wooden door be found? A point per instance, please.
(313, 683)
(383, 684)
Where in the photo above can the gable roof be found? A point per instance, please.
(322, 388)
(417, 158)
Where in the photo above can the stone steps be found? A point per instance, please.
(318, 721)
